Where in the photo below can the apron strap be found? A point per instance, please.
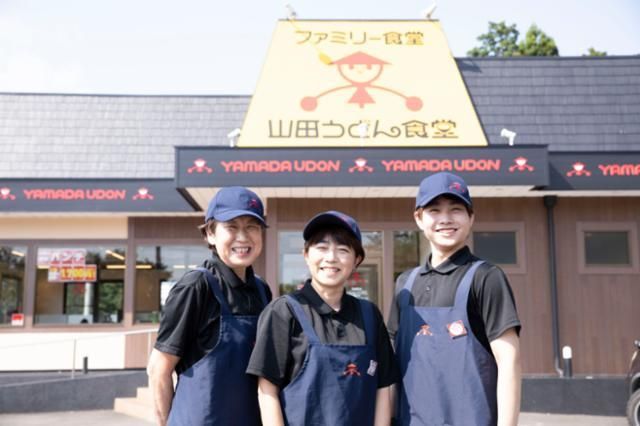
(303, 319)
(217, 291)
(465, 285)
(261, 291)
(366, 310)
(404, 295)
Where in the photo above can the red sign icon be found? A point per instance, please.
(143, 194)
(360, 70)
(361, 166)
(199, 166)
(521, 165)
(578, 169)
(5, 194)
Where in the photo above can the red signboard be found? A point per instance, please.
(80, 273)
(17, 319)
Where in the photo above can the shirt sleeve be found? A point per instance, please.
(271, 353)
(388, 372)
(497, 304)
(179, 320)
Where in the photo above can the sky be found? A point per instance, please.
(202, 47)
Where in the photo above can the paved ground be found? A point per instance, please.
(109, 418)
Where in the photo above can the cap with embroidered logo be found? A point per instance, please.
(439, 184)
(331, 218)
(234, 201)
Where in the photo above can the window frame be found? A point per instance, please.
(23, 287)
(631, 228)
(520, 267)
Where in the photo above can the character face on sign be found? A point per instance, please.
(360, 68)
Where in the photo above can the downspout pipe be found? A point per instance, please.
(550, 202)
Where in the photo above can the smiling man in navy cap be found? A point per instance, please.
(454, 322)
(209, 323)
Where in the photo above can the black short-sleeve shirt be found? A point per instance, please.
(491, 307)
(190, 324)
(281, 345)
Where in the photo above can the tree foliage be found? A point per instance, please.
(537, 43)
(502, 40)
(594, 52)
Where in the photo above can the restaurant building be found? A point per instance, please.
(100, 196)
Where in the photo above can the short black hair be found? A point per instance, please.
(340, 235)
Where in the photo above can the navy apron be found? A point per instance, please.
(448, 377)
(337, 384)
(216, 390)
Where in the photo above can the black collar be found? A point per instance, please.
(225, 273)
(321, 307)
(457, 259)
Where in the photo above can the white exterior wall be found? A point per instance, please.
(54, 351)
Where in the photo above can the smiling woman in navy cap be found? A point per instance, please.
(209, 323)
(322, 356)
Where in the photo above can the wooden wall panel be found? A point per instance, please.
(363, 209)
(137, 349)
(166, 227)
(599, 314)
(531, 289)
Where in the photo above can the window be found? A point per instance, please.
(158, 268)
(410, 249)
(79, 285)
(498, 247)
(12, 260)
(608, 247)
(500, 243)
(293, 270)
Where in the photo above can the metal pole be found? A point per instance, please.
(73, 362)
(549, 202)
(567, 356)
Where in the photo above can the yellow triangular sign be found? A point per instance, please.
(360, 83)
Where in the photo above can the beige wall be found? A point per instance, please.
(68, 228)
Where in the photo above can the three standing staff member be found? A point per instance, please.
(324, 357)
(455, 322)
(209, 324)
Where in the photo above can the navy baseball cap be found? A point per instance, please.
(233, 201)
(440, 184)
(331, 218)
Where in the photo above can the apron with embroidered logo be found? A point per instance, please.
(337, 384)
(216, 390)
(448, 376)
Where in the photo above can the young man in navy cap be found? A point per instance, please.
(454, 322)
(209, 323)
(324, 357)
